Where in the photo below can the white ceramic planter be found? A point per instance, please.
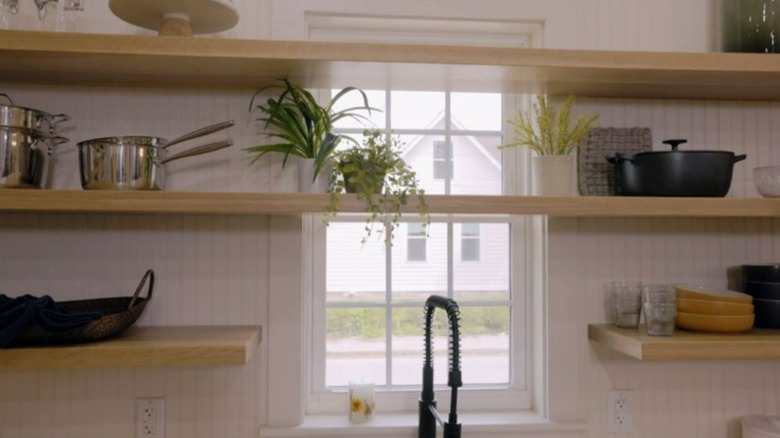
(306, 182)
(554, 175)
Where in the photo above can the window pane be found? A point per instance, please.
(376, 99)
(469, 229)
(414, 281)
(355, 271)
(476, 164)
(417, 110)
(476, 111)
(441, 169)
(355, 346)
(439, 150)
(485, 344)
(408, 350)
(488, 278)
(416, 251)
(415, 229)
(469, 250)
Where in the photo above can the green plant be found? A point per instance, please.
(300, 125)
(548, 132)
(376, 173)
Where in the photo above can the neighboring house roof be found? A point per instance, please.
(439, 121)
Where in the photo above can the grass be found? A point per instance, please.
(370, 322)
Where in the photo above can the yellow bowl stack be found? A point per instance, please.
(706, 309)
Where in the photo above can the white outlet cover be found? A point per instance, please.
(150, 417)
(619, 418)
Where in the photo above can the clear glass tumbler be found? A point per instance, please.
(627, 301)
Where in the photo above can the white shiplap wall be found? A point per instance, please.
(214, 270)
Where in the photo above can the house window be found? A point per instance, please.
(416, 242)
(371, 299)
(469, 242)
(442, 160)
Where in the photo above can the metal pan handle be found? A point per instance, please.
(200, 150)
(200, 132)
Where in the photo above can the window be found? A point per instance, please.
(469, 242)
(416, 242)
(442, 160)
(367, 299)
(371, 295)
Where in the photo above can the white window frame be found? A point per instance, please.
(320, 400)
(556, 339)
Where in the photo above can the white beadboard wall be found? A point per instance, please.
(214, 270)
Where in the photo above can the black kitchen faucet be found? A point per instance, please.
(429, 416)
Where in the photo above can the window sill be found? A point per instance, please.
(482, 424)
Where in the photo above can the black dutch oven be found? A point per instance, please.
(674, 172)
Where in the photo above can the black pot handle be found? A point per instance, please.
(739, 157)
(617, 158)
(675, 142)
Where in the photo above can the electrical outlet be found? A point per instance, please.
(150, 418)
(619, 412)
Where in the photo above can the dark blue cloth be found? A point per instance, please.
(17, 313)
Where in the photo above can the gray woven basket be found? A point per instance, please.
(597, 177)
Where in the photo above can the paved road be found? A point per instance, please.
(484, 360)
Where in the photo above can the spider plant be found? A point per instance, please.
(301, 126)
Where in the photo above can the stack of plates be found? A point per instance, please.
(707, 309)
(762, 282)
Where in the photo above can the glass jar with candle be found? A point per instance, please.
(361, 402)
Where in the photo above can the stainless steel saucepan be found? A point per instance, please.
(136, 162)
(131, 162)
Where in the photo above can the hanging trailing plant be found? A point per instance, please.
(377, 174)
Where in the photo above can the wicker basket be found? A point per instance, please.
(597, 177)
(118, 315)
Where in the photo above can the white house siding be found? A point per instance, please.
(354, 267)
(689, 399)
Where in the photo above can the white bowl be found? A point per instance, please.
(767, 181)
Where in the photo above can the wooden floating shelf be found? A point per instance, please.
(214, 203)
(145, 347)
(683, 345)
(133, 60)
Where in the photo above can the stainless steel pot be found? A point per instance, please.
(25, 157)
(12, 116)
(131, 162)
